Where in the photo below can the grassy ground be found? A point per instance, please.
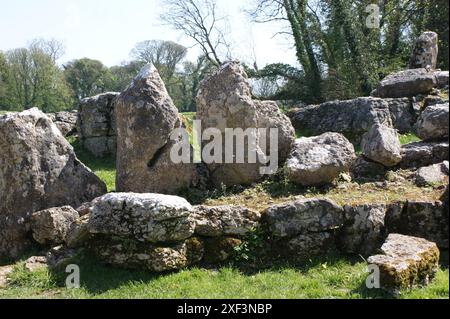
(325, 277)
(329, 277)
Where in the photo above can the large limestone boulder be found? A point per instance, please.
(425, 52)
(352, 118)
(319, 160)
(97, 124)
(382, 145)
(146, 119)
(420, 154)
(363, 231)
(152, 218)
(38, 170)
(406, 83)
(433, 122)
(225, 101)
(50, 226)
(442, 78)
(406, 262)
(216, 221)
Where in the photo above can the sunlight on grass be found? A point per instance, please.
(408, 138)
(330, 278)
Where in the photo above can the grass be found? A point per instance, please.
(409, 138)
(104, 167)
(329, 277)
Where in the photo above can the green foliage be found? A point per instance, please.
(29, 77)
(408, 138)
(87, 77)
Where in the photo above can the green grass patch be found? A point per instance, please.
(104, 167)
(329, 277)
(408, 138)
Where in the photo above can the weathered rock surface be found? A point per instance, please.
(402, 114)
(420, 154)
(78, 233)
(432, 174)
(433, 122)
(225, 101)
(319, 160)
(65, 121)
(363, 231)
(35, 263)
(406, 83)
(219, 249)
(425, 52)
(38, 170)
(311, 244)
(363, 168)
(146, 118)
(134, 255)
(97, 124)
(303, 216)
(442, 78)
(352, 117)
(151, 218)
(428, 220)
(382, 145)
(5, 271)
(50, 226)
(406, 262)
(216, 221)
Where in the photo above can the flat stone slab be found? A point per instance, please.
(406, 262)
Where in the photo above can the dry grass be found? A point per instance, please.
(262, 196)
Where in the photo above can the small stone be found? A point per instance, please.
(406, 262)
(382, 145)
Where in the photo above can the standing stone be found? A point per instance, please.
(433, 122)
(97, 124)
(225, 101)
(382, 145)
(38, 170)
(425, 52)
(146, 118)
(319, 160)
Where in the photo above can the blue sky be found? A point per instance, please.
(108, 29)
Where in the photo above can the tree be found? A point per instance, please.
(53, 48)
(164, 55)
(87, 77)
(36, 81)
(122, 75)
(199, 20)
(4, 80)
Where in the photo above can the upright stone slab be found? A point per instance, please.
(38, 170)
(225, 102)
(146, 118)
(425, 52)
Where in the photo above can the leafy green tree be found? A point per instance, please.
(122, 75)
(87, 77)
(34, 80)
